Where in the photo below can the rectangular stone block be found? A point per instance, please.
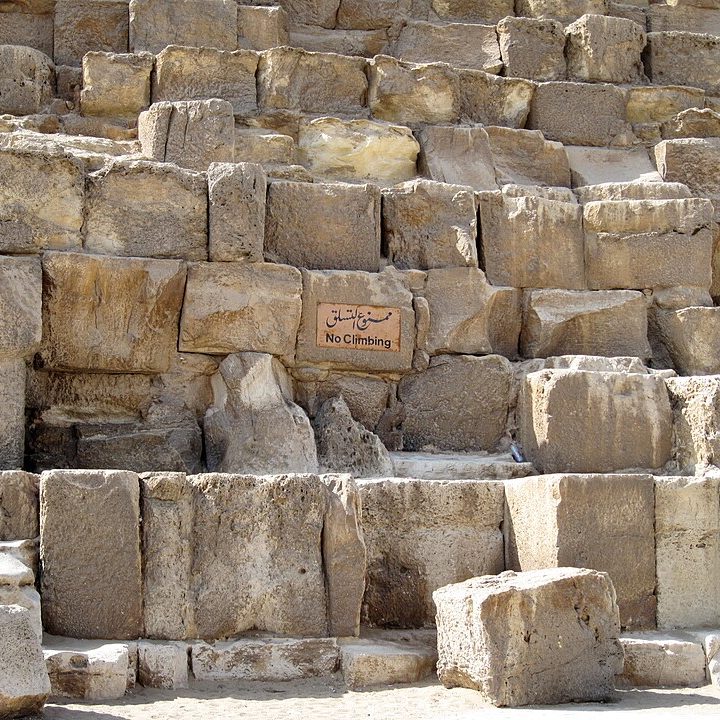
(341, 233)
(132, 203)
(35, 31)
(163, 665)
(421, 535)
(27, 80)
(684, 58)
(564, 11)
(19, 515)
(684, 18)
(532, 48)
(602, 522)
(112, 314)
(12, 413)
(239, 307)
(693, 162)
(492, 100)
(262, 28)
(653, 104)
(91, 582)
(689, 337)
(20, 306)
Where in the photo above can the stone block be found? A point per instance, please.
(632, 191)
(18, 505)
(26, 551)
(258, 145)
(693, 162)
(541, 637)
(341, 211)
(12, 414)
(580, 421)
(683, 18)
(458, 466)
(17, 587)
(116, 85)
(692, 123)
(338, 149)
(605, 49)
(239, 306)
(529, 241)
(595, 166)
(193, 134)
(203, 73)
(653, 104)
(458, 403)
(580, 113)
(602, 522)
(35, 31)
(690, 336)
(262, 28)
(323, 13)
(532, 48)
(294, 79)
(668, 60)
(358, 15)
(564, 11)
(163, 665)
(565, 322)
(490, 11)
(111, 314)
(20, 306)
(131, 204)
(83, 26)
(27, 80)
(91, 588)
(155, 24)
(460, 45)
(492, 100)
(468, 315)
(421, 535)
(357, 43)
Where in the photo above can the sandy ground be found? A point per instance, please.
(330, 700)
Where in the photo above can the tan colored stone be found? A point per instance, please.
(489, 11)
(532, 48)
(262, 28)
(692, 123)
(358, 15)
(563, 10)
(632, 191)
(653, 104)
(20, 306)
(237, 307)
(493, 100)
(26, 551)
(35, 31)
(668, 60)
(163, 665)
(17, 587)
(683, 18)
(257, 145)
(692, 161)
(18, 505)
(318, 12)
(690, 336)
(357, 43)
(596, 165)
(12, 413)
(27, 80)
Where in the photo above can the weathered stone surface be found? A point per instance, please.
(343, 217)
(192, 134)
(421, 535)
(17, 587)
(595, 165)
(687, 537)
(262, 28)
(266, 659)
(132, 203)
(360, 43)
(258, 145)
(684, 17)
(652, 104)
(293, 79)
(163, 665)
(493, 100)
(541, 637)
(203, 73)
(690, 337)
(27, 80)
(458, 466)
(604, 49)
(565, 322)
(20, 306)
(466, 46)
(26, 551)
(668, 60)
(237, 211)
(387, 290)
(24, 683)
(468, 315)
(155, 24)
(358, 150)
(692, 161)
(459, 403)
(579, 421)
(112, 314)
(563, 10)
(35, 31)
(319, 12)
(91, 588)
(632, 191)
(603, 522)
(19, 519)
(236, 307)
(12, 414)
(532, 48)
(546, 234)
(253, 426)
(579, 113)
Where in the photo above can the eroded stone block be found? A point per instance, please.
(690, 337)
(532, 48)
(684, 58)
(27, 79)
(18, 505)
(20, 306)
(12, 413)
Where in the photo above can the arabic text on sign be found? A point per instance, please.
(358, 327)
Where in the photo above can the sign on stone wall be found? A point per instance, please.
(358, 327)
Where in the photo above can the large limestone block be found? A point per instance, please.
(687, 537)
(652, 104)
(692, 161)
(27, 79)
(17, 587)
(239, 306)
(603, 522)
(267, 147)
(293, 79)
(421, 535)
(155, 24)
(564, 11)
(116, 85)
(12, 414)
(692, 123)
(203, 73)
(493, 100)
(546, 234)
(684, 58)
(359, 43)
(112, 314)
(323, 13)
(132, 203)
(458, 403)
(341, 233)
(35, 31)
(489, 11)
(333, 335)
(358, 150)
(24, 682)
(564, 322)
(685, 18)
(467, 46)
(254, 426)
(532, 48)
(83, 26)
(20, 306)
(427, 224)
(598, 165)
(19, 515)
(262, 28)
(580, 113)
(236, 217)
(163, 665)
(542, 637)
(468, 315)
(91, 580)
(605, 49)
(690, 336)
(192, 134)
(579, 421)
(632, 191)
(359, 15)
